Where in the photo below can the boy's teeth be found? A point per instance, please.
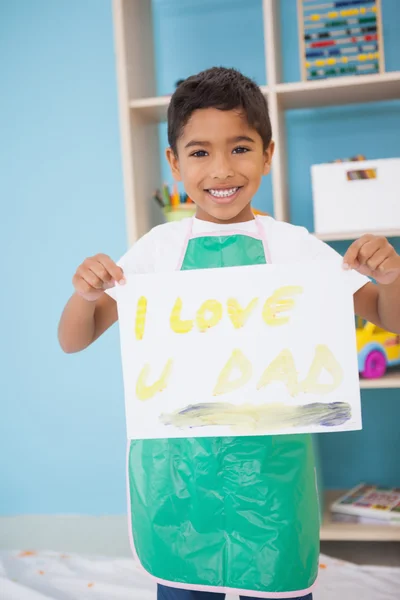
(223, 193)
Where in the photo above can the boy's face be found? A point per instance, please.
(221, 161)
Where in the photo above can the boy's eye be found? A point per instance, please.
(199, 154)
(240, 150)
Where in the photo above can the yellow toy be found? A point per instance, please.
(377, 349)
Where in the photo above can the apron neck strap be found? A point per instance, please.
(260, 231)
(263, 238)
(188, 235)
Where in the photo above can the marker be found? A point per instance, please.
(165, 195)
(157, 197)
(175, 198)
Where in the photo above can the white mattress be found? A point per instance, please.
(55, 576)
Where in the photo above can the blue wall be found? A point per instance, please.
(62, 433)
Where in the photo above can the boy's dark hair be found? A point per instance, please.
(222, 88)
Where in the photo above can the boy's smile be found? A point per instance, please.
(223, 195)
(221, 161)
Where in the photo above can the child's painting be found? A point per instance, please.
(268, 349)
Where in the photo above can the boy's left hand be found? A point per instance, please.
(373, 256)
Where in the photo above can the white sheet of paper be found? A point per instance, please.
(320, 327)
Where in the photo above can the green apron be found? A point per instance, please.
(232, 514)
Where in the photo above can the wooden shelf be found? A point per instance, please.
(391, 380)
(332, 531)
(347, 90)
(353, 235)
(154, 110)
(344, 90)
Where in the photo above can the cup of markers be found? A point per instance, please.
(175, 206)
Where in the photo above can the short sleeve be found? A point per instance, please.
(290, 243)
(322, 251)
(140, 259)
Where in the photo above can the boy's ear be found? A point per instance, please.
(173, 163)
(268, 154)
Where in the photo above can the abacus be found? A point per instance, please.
(340, 38)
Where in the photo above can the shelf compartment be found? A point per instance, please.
(354, 532)
(339, 91)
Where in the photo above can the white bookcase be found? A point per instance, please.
(141, 111)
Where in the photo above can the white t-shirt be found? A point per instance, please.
(160, 250)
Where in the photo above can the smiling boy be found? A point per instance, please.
(238, 514)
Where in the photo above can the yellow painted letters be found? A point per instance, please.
(239, 315)
(280, 302)
(283, 369)
(177, 325)
(144, 391)
(323, 359)
(236, 361)
(209, 314)
(141, 311)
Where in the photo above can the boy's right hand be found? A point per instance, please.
(95, 275)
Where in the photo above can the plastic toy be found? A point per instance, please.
(377, 349)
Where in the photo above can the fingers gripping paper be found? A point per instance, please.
(267, 349)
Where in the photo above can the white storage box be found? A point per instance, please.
(343, 202)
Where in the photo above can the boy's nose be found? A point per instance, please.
(222, 168)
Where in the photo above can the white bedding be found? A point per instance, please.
(51, 575)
